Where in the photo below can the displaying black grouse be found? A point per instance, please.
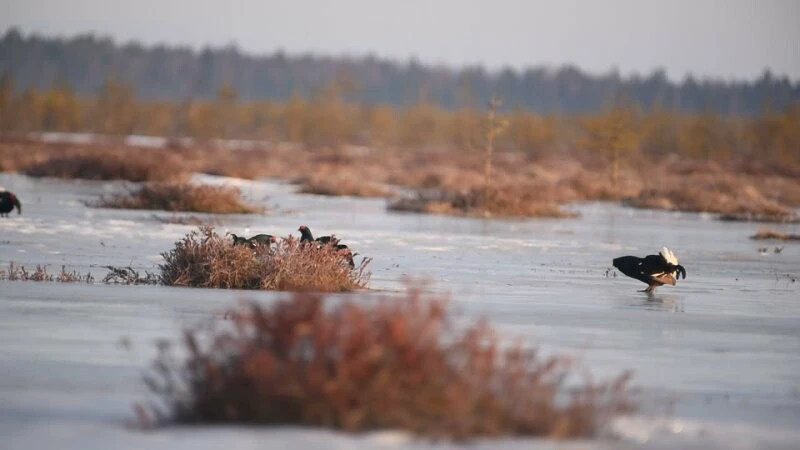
(654, 270)
(8, 201)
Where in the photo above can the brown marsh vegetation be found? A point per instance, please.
(742, 168)
(204, 259)
(448, 181)
(185, 197)
(397, 363)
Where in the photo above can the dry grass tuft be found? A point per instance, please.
(175, 219)
(768, 234)
(731, 196)
(507, 201)
(128, 275)
(204, 259)
(396, 364)
(130, 166)
(19, 273)
(181, 197)
(344, 186)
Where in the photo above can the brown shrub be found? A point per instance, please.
(131, 166)
(204, 259)
(343, 186)
(768, 234)
(176, 219)
(19, 273)
(397, 364)
(181, 197)
(507, 201)
(729, 196)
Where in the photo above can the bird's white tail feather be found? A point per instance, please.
(669, 256)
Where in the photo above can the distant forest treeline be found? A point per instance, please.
(86, 62)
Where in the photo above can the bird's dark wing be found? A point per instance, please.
(262, 239)
(327, 240)
(633, 267)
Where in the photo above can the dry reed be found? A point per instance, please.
(20, 273)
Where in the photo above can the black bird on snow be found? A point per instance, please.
(8, 201)
(306, 236)
(654, 270)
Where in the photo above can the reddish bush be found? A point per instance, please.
(395, 364)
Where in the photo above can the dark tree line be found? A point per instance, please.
(86, 62)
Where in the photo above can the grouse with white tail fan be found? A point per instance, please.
(654, 270)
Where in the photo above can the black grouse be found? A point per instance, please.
(262, 239)
(238, 240)
(654, 270)
(348, 255)
(9, 201)
(306, 236)
(259, 239)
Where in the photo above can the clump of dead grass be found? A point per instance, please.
(734, 197)
(396, 364)
(186, 197)
(344, 186)
(769, 234)
(747, 205)
(129, 166)
(20, 273)
(506, 201)
(176, 219)
(204, 259)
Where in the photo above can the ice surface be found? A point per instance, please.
(717, 356)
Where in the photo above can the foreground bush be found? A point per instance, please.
(131, 166)
(204, 259)
(181, 197)
(396, 364)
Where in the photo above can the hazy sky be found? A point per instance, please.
(723, 38)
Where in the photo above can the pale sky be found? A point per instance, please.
(721, 39)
